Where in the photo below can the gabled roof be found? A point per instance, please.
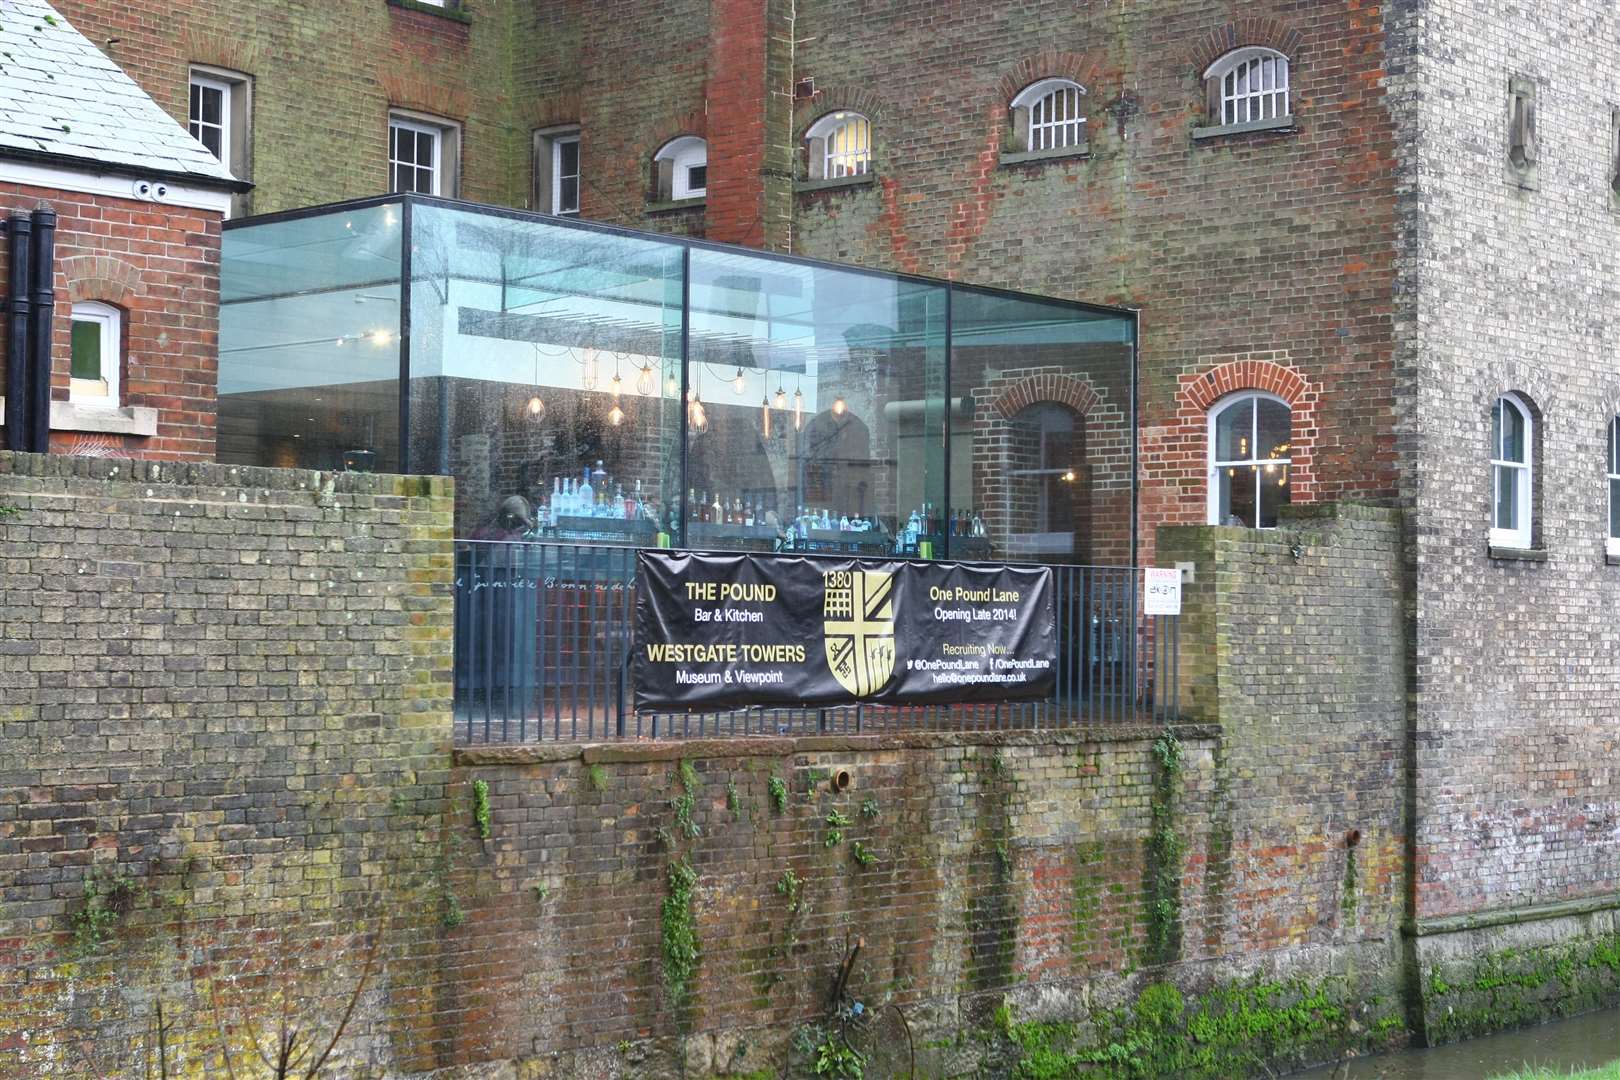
(64, 102)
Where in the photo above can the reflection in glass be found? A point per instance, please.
(1251, 467)
(309, 342)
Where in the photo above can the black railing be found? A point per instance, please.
(542, 644)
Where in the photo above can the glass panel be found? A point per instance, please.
(1040, 430)
(697, 178)
(1237, 505)
(211, 102)
(309, 342)
(1614, 507)
(1274, 429)
(568, 196)
(1614, 446)
(1234, 432)
(1507, 503)
(86, 362)
(835, 442)
(519, 330)
(1512, 432)
(1276, 489)
(399, 144)
(195, 112)
(568, 158)
(211, 141)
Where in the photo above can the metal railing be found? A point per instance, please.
(543, 636)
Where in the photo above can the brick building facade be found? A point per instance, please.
(128, 321)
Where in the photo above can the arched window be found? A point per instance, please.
(1047, 115)
(1248, 85)
(839, 145)
(1249, 463)
(96, 354)
(1614, 486)
(683, 168)
(1512, 443)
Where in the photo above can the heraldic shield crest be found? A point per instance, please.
(858, 628)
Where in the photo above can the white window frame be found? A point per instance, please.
(1212, 476)
(194, 122)
(99, 393)
(1612, 543)
(684, 154)
(1524, 476)
(420, 126)
(1056, 119)
(558, 141)
(840, 145)
(1234, 98)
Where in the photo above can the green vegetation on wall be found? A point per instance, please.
(1517, 986)
(1165, 849)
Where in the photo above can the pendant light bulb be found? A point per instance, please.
(765, 417)
(737, 384)
(615, 415)
(615, 385)
(536, 407)
(798, 410)
(839, 406)
(587, 378)
(781, 397)
(644, 381)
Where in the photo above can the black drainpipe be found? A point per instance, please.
(18, 264)
(39, 343)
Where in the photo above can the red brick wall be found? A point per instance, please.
(158, 264)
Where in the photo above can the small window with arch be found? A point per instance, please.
(1049, 116)
(1250, 460)
(1512, 468)
(682, 169)
(96, 354)
(1249, 88)
(839, 145)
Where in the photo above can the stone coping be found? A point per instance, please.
(1481, 920)
(493, 754)
(66, 469)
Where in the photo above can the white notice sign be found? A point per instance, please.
(1162, 594)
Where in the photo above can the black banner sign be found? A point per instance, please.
(718, 631)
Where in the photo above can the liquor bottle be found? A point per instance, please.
(749, 517)
(718, 510)
(585, 494)
(691, 506)
(556, 499)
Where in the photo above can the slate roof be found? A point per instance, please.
(63, 98)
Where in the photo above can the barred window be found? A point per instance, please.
(1248, 85)
(839, 145)
(1048, 115)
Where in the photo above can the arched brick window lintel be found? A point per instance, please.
(1069, 390)
(1205, 388)
(103, 278)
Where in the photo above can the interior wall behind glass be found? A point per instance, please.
(309, 342)
(809, 422)
(1041, 429)
(545, 376)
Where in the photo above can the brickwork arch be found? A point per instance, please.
(554, 110)
(223, 51)
(101, 277)
(831, 99)
(1265, 30)
(1069, 390)
(1084, 68)
(423, 94)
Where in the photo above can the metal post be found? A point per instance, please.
(405, 335)
(43, 283)
(685, 413)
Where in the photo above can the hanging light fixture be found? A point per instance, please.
(798, 410)
(839, 406)
(765, 417)
(616, 385)
(615, 415)
(737, 384)
(536, 406)
(645, 380)
(781, 396)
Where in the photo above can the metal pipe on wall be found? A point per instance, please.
(43, 273)
(19, 266)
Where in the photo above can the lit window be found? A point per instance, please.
(1511, 442)
(95, 354)
(1614, 486)
(683, 168)
(422, 155)
(839, 145)
(1249, 461)
(1248, 86)
(1047, 116)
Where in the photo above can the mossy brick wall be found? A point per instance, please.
(224, 719)
(1006, 871)
(324, 78)
(1295, 639)
(159, 265)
